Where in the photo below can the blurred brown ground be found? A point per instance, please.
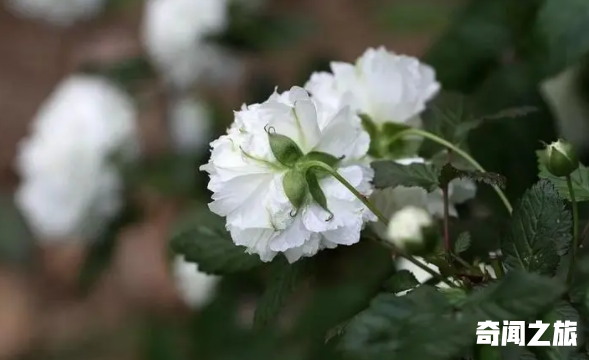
(40, 310)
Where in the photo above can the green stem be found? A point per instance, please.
(460, 152)
(575, 227)
(380, 217)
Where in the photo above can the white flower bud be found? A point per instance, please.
(412, 229)
(561, 159)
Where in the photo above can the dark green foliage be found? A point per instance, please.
(540, 231)
(202, 238)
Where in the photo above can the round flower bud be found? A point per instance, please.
(412, 229)
(560, 158)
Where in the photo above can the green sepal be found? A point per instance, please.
(286, 151)
(295, 188)
(317, 192)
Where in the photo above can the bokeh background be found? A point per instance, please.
(117, 297)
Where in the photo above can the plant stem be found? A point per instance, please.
(460, 152)
(380, 217)
(462, 261)
(446, 202)
(575, 227)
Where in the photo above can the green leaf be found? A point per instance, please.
(452, 117)
(129, 73)
(257, 30)
(559, 24)
(579, 289)
(562, 311)
(462, 243)
(517, 296)
(418, 325)
(401, 281)
(201, 238)
(412, 17)
(389, 173)
(540, 231)
(449, 173)
(284, 279)
(169, 174)
(16, 240)
(579, 179)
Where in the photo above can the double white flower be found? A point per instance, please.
(248, 180)
(69, 186)
(381, 84)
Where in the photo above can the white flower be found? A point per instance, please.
(69, 187)
(407, 227)
(174, 34)
(391, 200)
(247, 179)
(564, 97)
(486, 268)
(190, 125)
(383, 85)
(194, 287)
(57, 12)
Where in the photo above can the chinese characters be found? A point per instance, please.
(488, 332)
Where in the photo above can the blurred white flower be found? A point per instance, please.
(57, 12)
(408, 226)
(190, 125)
(69, 186)
(381, 84)
(486, 268)
(174, 34)
(391, 200)
(563, 94)
(194, 287)
(248, 180)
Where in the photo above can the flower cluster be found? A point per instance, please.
(70, 186)
(292, 174)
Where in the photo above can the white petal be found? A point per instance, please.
(256, 240)
(306, 117)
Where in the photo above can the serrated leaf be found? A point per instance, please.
(517, 296)
(452, 117)
(579, 179)
(449, 173)
(415, 326)
(462, 243)
(285, 277)
(201, 238)
(389, 173)
(540, 231)
(562, 311)
(401, 281)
